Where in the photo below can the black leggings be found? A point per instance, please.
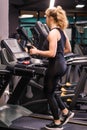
(50, 83)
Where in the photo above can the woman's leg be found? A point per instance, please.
(49, 92)
(66, 114)
(60, 102)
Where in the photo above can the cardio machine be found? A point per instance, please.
(13, 111)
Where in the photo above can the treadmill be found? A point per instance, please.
(13, 113)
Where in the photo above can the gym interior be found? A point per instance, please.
(23, 105)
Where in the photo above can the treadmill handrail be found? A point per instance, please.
(77, 58)
(81, 62)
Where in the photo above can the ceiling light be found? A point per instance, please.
(80, 6)
(51, 3)
(26, 16)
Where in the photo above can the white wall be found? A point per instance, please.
(4, 19)
(4, 25)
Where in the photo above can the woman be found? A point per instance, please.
(57, 44)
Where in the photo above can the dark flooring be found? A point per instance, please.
(14, 117)
(30, 123)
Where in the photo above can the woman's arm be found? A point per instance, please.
(67, 48)
(52, 38)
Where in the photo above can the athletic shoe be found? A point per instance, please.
(54, 126)
(66, 118)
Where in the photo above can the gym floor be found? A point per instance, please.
(29, 123)
(38, 123)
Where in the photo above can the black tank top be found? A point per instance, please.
(60, 45)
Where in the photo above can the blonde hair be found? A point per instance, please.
(59, 16)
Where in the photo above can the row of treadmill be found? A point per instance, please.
(24, 74)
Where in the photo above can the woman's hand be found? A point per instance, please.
(33, 51)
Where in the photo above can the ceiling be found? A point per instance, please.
(42, 5)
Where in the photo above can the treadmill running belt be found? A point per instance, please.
(29, 123)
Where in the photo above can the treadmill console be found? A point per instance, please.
(14, 48)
